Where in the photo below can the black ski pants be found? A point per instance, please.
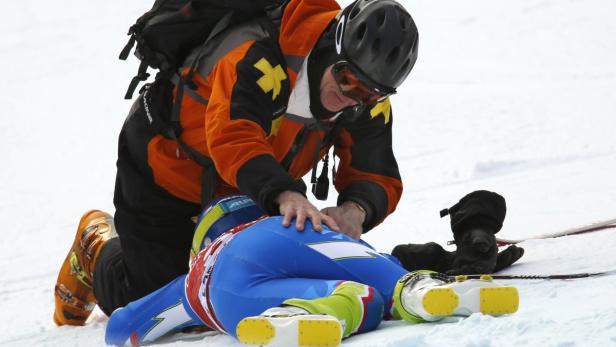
(155, 228)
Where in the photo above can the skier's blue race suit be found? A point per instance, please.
(252, 268)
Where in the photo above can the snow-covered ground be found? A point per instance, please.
(515, 96)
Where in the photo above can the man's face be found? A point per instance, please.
(332, 98)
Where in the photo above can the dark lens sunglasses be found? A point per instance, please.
(353, 87)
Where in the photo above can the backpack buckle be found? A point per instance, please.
(142, 75)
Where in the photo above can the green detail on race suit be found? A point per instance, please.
(345, 303)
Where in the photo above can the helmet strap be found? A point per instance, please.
(322, 56)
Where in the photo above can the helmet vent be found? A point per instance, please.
(405, 66)
(380, 18)
(393, 55)
(354, 12)
(403, 22)
(361, 31)
(376, 45)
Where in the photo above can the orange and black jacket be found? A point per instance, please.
(251, 130)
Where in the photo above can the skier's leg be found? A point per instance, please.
(152, 316)
(358, 305)
(349, 308)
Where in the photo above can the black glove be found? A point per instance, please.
(507, 257)
(476, 253)
(474, 221)
(431, 256)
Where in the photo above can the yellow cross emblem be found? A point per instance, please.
(383, 107)
(272, 77)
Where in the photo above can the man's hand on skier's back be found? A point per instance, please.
(349, 216)
(295, 205)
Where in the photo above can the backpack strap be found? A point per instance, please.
(187, 81)
(142, 75)
(271, 25)
(189, 91)
(185, 84)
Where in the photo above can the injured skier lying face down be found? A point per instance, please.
(268, 285)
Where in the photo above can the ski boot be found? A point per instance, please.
(73, 293)
(290, 326)
(427, 296)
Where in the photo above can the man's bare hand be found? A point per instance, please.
(349, 216)
(295, 205)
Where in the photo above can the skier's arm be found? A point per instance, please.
(368, 172)
(249, 91)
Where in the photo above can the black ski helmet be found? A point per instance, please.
(378, 38)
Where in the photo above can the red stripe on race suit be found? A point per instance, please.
(365, 299)
(199, 277)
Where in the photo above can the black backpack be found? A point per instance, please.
(164, 38)
(168, 32)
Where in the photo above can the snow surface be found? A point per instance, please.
(516, 96)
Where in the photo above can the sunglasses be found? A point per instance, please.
(353, 87)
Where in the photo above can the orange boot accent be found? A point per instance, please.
(73, 293)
